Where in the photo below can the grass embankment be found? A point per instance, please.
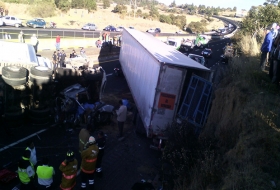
(244, 123)
(239, 147)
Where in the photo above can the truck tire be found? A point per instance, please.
(14, 72)
(14, 81)
(61, 72)
(39, 112)
(41, 71)
(39, 80)
(39, 121)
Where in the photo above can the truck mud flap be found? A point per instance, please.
(196, 102)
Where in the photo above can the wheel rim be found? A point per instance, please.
(41, 68)
(34, 26)
(14, 68)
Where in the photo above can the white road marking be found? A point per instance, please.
(109, 74)
(21, 140)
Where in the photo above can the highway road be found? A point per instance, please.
(65, 33)
(124, 162)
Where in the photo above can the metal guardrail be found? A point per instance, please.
(82, 34)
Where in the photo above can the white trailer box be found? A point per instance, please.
(158, 77)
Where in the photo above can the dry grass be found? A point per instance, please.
(104, 17)
(244, 122)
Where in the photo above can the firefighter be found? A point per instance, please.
(101, 141)
(26, 172)
(45, 174)
(69, 171)
(89, 157)
(83, 138)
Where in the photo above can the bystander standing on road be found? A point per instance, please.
(121, 117)
(54, 60)
(62, 59)
(69, 171)
(7, 36)
(45, 175)
(26, 172)
(30, 147)
(83, 52)
(57, 42)
(120, 40)
(1, 11)
(266, 47)
(59, 55)
(110, 45)
(6, 12)
(101, 141)
(89, 158)
(21, 37)
(73, 54)
(34, 42)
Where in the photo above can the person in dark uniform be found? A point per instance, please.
(62, 60)
(59, 56)
(101, 141)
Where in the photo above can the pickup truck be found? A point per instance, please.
(166, 85)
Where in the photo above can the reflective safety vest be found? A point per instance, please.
(45, 174)
(69, 172)
(22, 170)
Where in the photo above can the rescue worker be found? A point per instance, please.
(89, 157)
(31, 148)
(26, 172)
(69, 171)
(45, 175)
(83, 138)
(101, 141)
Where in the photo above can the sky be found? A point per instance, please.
(240, 4)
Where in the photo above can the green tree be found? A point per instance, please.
(173, 4)
(63, 5)
(234, 9)
(165, 19)
(139, 13)
(154, 12)
(90, 5)
(121, 9)
(106, 4)
(260, 17)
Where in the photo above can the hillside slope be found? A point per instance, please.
(76, 18)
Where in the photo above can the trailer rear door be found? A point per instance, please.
(196, 102)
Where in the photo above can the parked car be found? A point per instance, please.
(11, 21)
(36, 23)
(89, 26)
(180, 32)
(151, 30)
(206, 52)
(197, 58)
(131, 27)
(110, 28)
(119, 29)
(156, 30)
